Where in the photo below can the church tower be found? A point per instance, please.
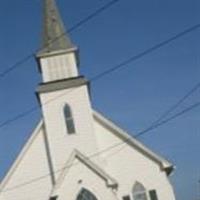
(63, 94)
(58, 57)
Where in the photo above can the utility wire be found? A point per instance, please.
(160, 123)
(188, 109)
(103, 74)
(83, 21)
(147, 51)
(111, 70)
(16, 65)
(73, 28)
(179, 114)
(176, 105)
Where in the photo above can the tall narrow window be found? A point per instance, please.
(139, 192)
(86, 195)
(69, 120)
(153, 195)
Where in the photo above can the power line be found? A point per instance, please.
(16, 65)
(176, 105)
(97, 78)
(112, 69)
(147, 51)
(73, 28)
(160, 123)
(188, 109)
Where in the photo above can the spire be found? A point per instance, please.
(54, 37)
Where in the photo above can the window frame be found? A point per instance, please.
(69, 120)
(153, 195)
(144, 191)
(83, 190)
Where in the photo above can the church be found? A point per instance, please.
(75, 153)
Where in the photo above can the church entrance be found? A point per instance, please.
(86, 195)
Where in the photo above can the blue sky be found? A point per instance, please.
(134, 96)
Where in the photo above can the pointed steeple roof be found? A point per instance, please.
(54, 37)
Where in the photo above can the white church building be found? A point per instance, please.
(75, 153)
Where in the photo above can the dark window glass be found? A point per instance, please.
(54, 198)
(153, 195)
(69, 120)
(86, 195)
(126, 198)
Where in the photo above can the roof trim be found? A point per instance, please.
(57, 52)
(110, 182)
(62, 84)
(164, 164)
(21, 155)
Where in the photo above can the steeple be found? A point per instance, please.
(54, 37)
(58, 58)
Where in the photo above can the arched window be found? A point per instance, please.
(69, 119)
(86, 195)
(139, 192)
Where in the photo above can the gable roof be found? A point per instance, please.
(163, 163)
(110, 182)
(127, 138)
